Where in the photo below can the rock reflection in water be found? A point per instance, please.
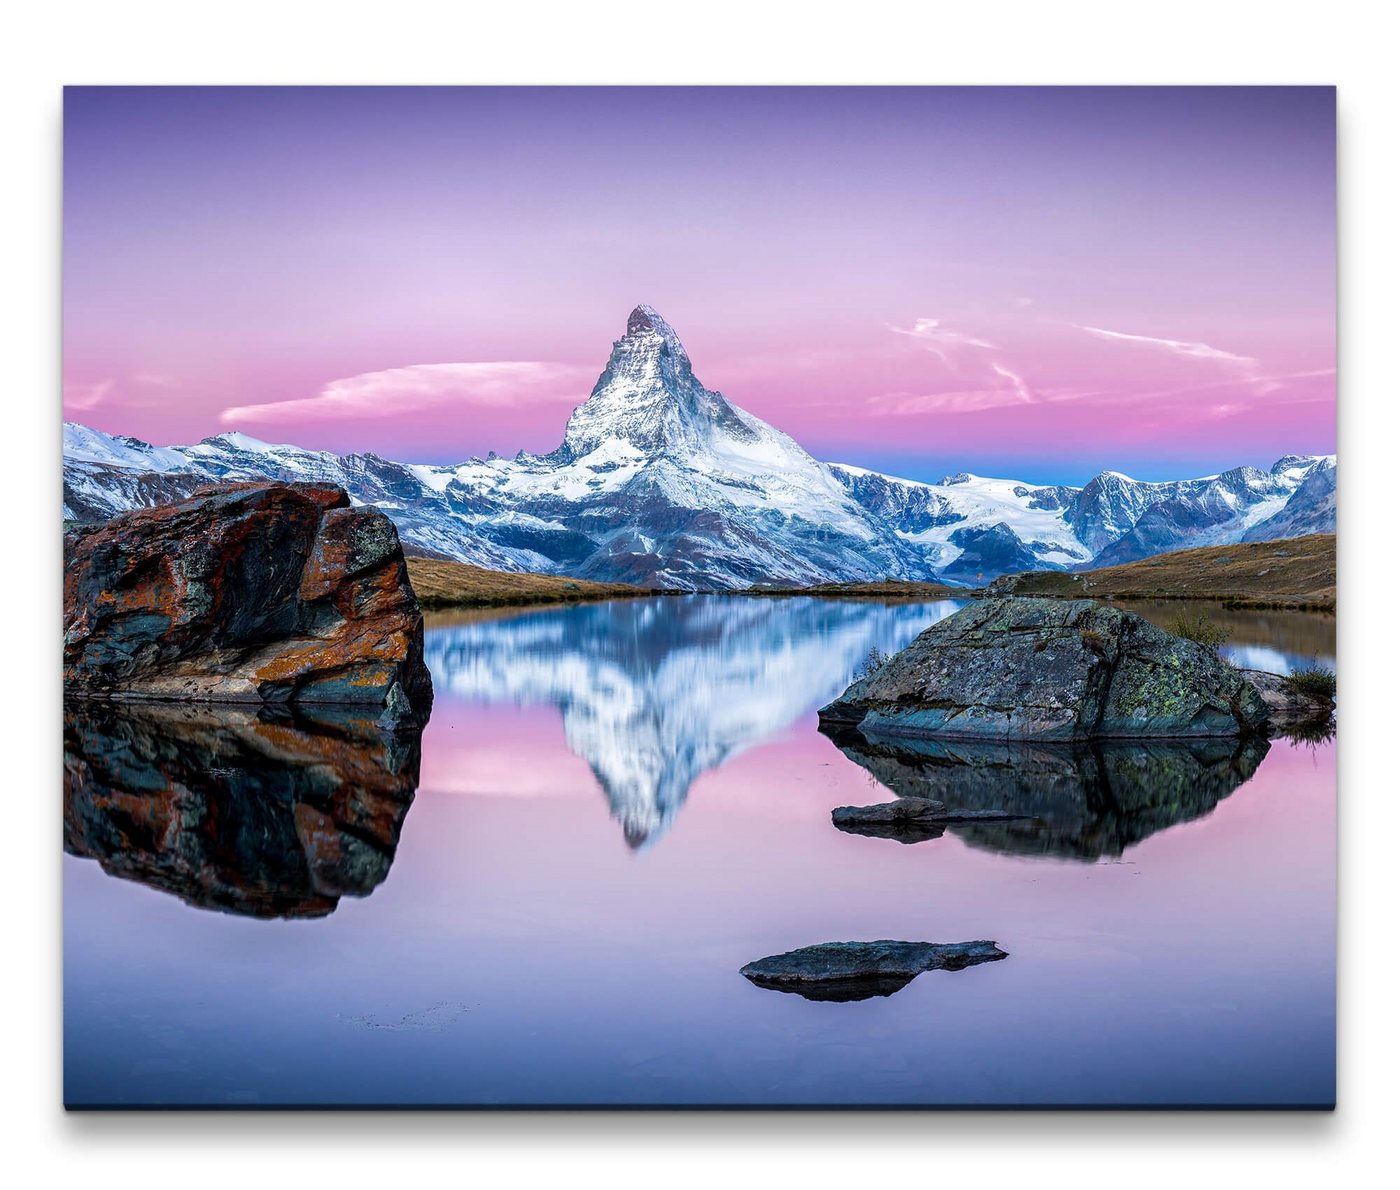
(1078, 802)
(247, 811)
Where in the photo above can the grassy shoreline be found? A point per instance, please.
(1297, 574)
(1326, 607)
(890, 591)
(1293, 574)
(441, 584)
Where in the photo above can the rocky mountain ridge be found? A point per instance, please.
(661, 481)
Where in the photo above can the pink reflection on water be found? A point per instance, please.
(1198, 968)
(752, 856)
(504, 751)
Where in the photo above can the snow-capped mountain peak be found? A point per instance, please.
(84, 444)
(645, 320)
(649, 399)
(234, 440)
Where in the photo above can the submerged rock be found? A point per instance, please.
(1050, 669)
(860, 970)
(1075, 801)
(909, 819)
(259, 593)
(262, 812)
(905, 831)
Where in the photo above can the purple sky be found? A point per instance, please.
(1030, 282)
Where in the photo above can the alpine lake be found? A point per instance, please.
(547, 900)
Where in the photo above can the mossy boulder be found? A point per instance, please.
(1051, 669)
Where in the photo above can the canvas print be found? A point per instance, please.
(693, 597)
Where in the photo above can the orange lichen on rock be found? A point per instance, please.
(269, 592)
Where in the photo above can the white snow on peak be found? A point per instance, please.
(82, 443)
(235, 440)
(645, 320)
(974, 502)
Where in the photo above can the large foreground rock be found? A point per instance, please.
(259, 593)
(1051, 669)
(860, 970)
(259, 811)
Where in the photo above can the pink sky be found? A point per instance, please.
(1019, 281)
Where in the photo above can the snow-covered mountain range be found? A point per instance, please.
(662, 481)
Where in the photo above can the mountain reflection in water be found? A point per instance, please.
(1075, 801)
(242, 810)
(655, 692)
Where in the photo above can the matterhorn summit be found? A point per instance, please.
(648, 399)
(710, 487)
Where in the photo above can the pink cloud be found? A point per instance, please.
(82, 397)
(425, 388)
(940, 338)
(1203, 351)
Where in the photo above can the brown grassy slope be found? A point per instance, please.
(891, 589)
(1297, 572)
(442, 583)
(1310, 635)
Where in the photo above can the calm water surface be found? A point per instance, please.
(622, 804)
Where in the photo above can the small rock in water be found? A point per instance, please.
(913, 809)
(908, 819)
(902, 809)
(1288, 708)
(859, 970)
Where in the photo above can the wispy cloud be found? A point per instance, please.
(1275, 385)
(988, 380)
(903, 404)
(1018, 385)
(1237, 395)
(984, 375)
(966, 400)
(86, 396)
(940, 338)
(1178, 346)
(156, 380)
(422, 387)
